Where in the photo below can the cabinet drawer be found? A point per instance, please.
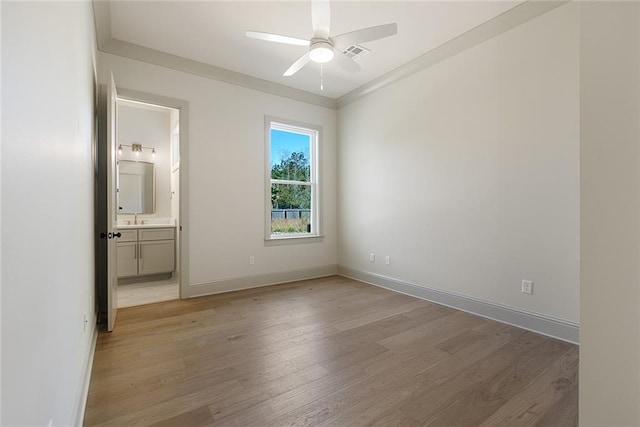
(128, 236)
(156, 234)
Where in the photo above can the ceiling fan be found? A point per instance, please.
(322, 47)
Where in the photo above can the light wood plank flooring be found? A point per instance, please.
(326, 352)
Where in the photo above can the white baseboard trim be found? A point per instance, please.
(83, 393)
(544, 325)
(259, 280)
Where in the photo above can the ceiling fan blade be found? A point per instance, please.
(345, 62)
(277, 38)
(296, 66)
(320, 18)
(365, 35)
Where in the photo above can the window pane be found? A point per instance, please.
(290, 209)
(290, 155)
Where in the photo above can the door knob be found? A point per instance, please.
(110, 235)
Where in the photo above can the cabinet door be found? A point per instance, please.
(156, 256)
(126, 256)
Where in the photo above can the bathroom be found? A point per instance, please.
(148, 167)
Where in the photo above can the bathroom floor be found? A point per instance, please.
(147, 293)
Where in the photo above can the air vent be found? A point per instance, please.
(356, 52)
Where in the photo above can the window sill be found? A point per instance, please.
(292, 240)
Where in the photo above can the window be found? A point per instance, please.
(292, 180)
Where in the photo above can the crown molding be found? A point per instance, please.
(507, 20)
(107, 44)
(174, 62)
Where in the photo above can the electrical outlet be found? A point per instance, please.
(387, 260)
(372, 257)
(527, 287)
(252, 260)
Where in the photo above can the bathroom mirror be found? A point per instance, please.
(136, 187)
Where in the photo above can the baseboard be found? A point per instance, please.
(144, 279)
(83, 393)
(545, 325)
(259, 280)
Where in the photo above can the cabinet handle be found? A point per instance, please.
(135, 251)
(140, 255)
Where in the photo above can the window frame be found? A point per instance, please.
(315, 133)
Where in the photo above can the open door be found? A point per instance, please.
(112, 205)
(106, 215)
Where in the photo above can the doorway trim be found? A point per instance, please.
(183, 224)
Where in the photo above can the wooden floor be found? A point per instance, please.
(326, 352)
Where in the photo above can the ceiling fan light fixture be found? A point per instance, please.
(323, 47)
(321, 52)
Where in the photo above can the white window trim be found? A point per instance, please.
(316, 181)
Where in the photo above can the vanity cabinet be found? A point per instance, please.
(145, 251)
(127, 259)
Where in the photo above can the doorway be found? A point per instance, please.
(149, 141)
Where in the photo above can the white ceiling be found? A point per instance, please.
(213, 32)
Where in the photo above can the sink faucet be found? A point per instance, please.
(135, 218)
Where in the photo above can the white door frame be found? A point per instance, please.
(183, 176)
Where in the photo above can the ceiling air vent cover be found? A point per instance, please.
(355, 52)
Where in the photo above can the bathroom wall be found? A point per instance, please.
(175, 166)
(174, 162)
(150, 126)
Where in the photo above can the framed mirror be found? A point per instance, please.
(136, 187)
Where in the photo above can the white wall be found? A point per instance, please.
(225, 214)
(151, 128)
(47, 209)
(610, 205)
(1, 275)
(467, 174)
